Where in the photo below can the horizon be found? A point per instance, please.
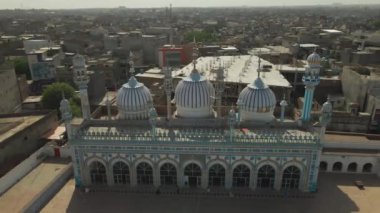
(135, 4)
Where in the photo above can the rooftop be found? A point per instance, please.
(10, 126)
(23, 193)
(238, 69)
(182, 132)
(346, 198)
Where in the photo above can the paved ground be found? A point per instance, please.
(336, 195)
(31, 185)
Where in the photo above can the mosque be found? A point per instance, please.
(194, 146)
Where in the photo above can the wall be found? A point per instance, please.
(9, 90)
(348, 158)
(19, 146)
(50, 190)
(21, 170)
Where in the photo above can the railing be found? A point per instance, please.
(196, 137)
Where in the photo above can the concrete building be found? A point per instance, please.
(9, 89)
(20, 136)
(236, 150)
(43, 62)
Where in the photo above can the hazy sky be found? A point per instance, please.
(27, 4)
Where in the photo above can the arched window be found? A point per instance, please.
(337, 167)
(265, 177)
(291, 177)
(367, 168)
(352, 167)
(168, 174)
(323, 166)
(98, 173)
(192, 175)
(121, 173)
(144, 174)
(240, 176)
(216, 175)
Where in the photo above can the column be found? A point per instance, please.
(76, 166)
(278, 179)
(253, 179)
(204, 178)
(156, 176)
(109, 174)
(313, 181)
(133, 175)
(228, 178)
(305, 103)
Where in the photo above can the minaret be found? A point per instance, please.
(324, 120)
(66, 115)
(153, 121)
(311, 80)
(283, 105)
(194, 73)
(81, 79)
(108, 104)
(231, 123)
(168, 83)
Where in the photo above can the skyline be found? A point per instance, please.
(74, 4)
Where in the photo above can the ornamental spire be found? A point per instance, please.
(131, 64)
(195, 55)
(194, 75)
(259, 66)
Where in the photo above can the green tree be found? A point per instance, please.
(200, 36)
(22, 67)
(52, 96)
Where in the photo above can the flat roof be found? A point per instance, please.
(12, 125)
(234, 70)
(29, 187)
(332, 31)
(346, 198)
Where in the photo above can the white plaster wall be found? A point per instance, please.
(347, 159)
(18, 172)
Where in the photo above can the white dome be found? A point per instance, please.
(257, 102)
(193, 97)
(134, 100)
(79, 61)
(314, 59)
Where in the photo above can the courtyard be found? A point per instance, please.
(337, 193)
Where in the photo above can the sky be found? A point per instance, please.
(68, 4)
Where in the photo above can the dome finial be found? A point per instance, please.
(131, 63)
(259, 64)
(194, 75)
(195, 55)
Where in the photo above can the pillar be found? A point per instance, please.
(204, 184)
(253, 179)
(278, 180)
(133, 176)
(228, 178)
(109, 175)
(156, 176)
(76, 167)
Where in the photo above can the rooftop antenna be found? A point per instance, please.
(194, 55)
(259, 66)
(131, 64)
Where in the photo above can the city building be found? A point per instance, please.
(9, 89)
(195, 146)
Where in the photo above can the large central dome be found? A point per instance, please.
(133, 100)
(257, 102)
(194, 96)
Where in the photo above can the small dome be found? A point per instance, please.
(79, 61)
(193, 96)
(133, 100)
(257, 102)
(314, 59)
